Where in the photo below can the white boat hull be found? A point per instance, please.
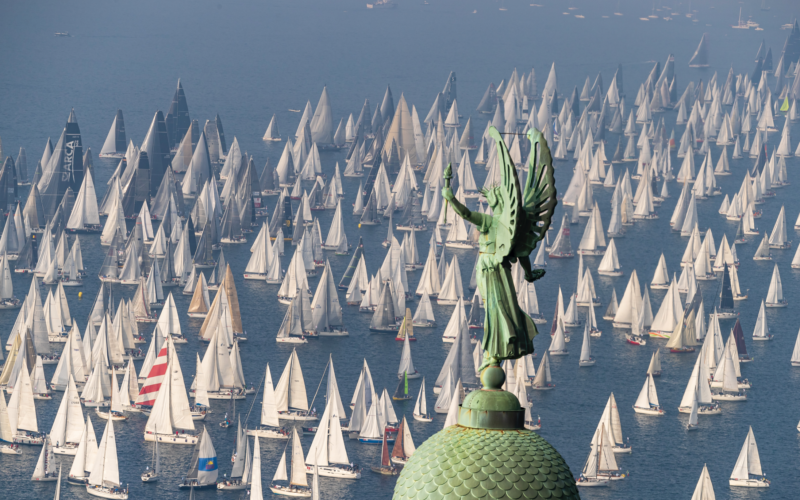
(593, 483)
(184, 439)
(335, 472)
(103, 492)
(70, 449)
(290, 492)
(268, 433)
(729, 397)
(291, 340)
(422, 418)
(649, 411)
(296, 416)
(749, 483)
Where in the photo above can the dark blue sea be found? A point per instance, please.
(248, 60)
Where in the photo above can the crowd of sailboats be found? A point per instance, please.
(176, 200)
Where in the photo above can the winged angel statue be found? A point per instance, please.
(518, 221)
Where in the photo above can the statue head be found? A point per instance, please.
(495, 199)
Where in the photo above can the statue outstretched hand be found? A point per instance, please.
(533, 275)
(447, 194)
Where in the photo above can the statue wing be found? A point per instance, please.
(539, 198)
(512, 218)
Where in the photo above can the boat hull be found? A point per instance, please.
(592, 483)
(749, 483)
(729, 397)
(70, 449)
(290, 492)
(182, 439)
(103, 492)
(649, 411)
(269, 433)
(335, 472)
(425, 418)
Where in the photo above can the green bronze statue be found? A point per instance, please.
(518, 222)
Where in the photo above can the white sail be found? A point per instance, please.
(105, 471)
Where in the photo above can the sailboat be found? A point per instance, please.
(20, 415)
(270, 426)
(542, 380)
(290, 393)
(104, 480)
(204, 470)
(68, 426)
(46, 466)
(586, 348)
(796, 351)
(654, 368)
(386, 468)
(692, 424)
(704, 489)
(170, 416)
(84, 457)
(403, 445)
(328, 453)
(298, 484)
(700, 57)
(726, 308)
(401, 393)
(421, 407)
(242, 459)
(749, 464)
(775, 296)
(730, 390)
(647, 402)
(115, 411)
(151, 475)
(761, 330)
(406, 368)
(588, 477)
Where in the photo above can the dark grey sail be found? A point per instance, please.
(9, 192)
(231, 224)
(364, 123)
(387, 106)
(267, 180)
(370, 215)
(178, 120)
(700, 57)
(383, 319)
(64, 169)
(138, 190)
(27, 259)
(344, 283)
(449, 91)
(726, 293)
(223, 145)
(169, 189)
(156, 144)
(204, 255)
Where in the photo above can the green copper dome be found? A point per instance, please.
(487, 455)
(465, 463)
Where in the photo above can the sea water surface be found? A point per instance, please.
(248, 60)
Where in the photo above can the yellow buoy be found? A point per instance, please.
(80, 295)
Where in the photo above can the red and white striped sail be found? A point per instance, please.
(147, 396)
